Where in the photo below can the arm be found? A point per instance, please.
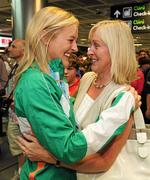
(111, 123)
(97, 162)
(147, 113)
(69, 145)
(102, 161)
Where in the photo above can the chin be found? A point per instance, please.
(65, 62)
(94, 69)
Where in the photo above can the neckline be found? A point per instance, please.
(99, 86)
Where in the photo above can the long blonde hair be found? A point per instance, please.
(117, 36)
(45, 23)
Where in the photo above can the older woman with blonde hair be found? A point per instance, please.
(42, 101)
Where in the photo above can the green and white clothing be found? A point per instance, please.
(41, 100)
(113, 96)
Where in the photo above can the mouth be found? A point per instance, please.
(66, 76)
(94, 61)
(67, 54)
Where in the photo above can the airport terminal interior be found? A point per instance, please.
(135, 12)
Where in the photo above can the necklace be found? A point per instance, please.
(100, 86)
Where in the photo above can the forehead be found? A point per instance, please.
(17, 44)
(71, 31)
(142, 52)
(96, 38)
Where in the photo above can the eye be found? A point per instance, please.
(70, 40)
(70, 68)
(13, 46)
(96, 45)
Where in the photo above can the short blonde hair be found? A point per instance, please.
(117, 36)
(45, 23)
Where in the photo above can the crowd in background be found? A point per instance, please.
(143, 58)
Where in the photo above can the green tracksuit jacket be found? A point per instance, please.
(37, 98)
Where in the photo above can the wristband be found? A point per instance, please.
(57, 163)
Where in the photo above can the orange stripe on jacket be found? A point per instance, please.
(40, 165)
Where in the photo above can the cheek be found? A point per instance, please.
(68, 78)
(70, 75)
(53, 51)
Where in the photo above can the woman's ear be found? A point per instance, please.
(44, 40)
(44, 37)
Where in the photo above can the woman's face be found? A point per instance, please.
(64, 43)
(70, 74)
(99, 53)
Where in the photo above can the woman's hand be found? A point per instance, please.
(33, 150)
(136, 96)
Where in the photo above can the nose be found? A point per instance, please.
(9, 48)
(89, 51)
(74, 47)
(65, 71)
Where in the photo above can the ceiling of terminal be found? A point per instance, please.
(88, 12)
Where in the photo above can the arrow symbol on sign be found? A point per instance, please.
(117, 13)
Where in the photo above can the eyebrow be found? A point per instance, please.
(73, 37)
(14, 45)
(98, 41)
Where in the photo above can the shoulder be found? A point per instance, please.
(124, 97)
(31, 80)
(88, 75)
(140, 73)
(31, 77)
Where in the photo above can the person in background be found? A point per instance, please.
(99, 91)
(144, 53)
(3, 83)
(3, 73)
(70, 73)
(147, 92)
(15, 51)
(145, 67)
(6, 59)
(138, 83)
(144, 64)
(146, 99)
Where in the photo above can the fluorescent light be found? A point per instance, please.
(138, 44)
(8, 20)
(83, 39)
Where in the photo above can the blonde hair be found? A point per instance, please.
(46, 23)
(117, 36)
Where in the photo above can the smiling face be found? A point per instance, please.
(64, 43)
(99, 53)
